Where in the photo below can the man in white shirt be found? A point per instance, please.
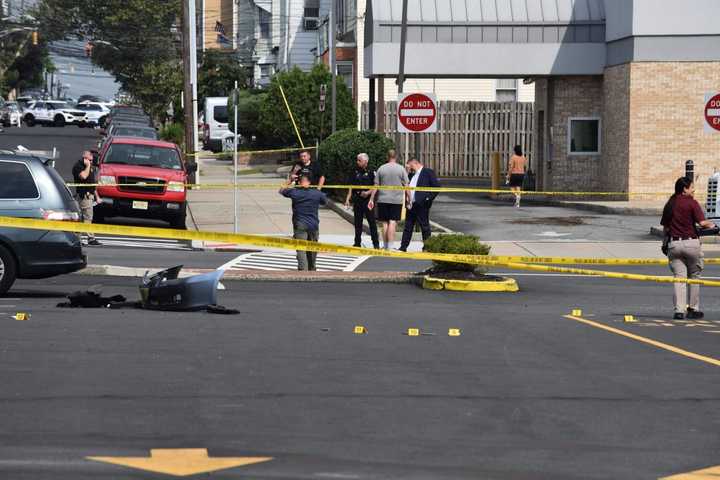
(419, 202)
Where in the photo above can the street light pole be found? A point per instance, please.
(333, 67)
(194, 77)
(188, 19)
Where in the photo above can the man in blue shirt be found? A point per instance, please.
(306, 223)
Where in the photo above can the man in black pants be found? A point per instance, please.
(363, 200)
(419, 202)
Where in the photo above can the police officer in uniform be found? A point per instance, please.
(363, 200)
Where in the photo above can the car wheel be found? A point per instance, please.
(179, 221)
(59, 121)
(8, 270)
(98, 214)
(30, 121)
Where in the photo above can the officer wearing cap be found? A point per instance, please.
(363, 200)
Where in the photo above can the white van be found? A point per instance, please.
(215, 127)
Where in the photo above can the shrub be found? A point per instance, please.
(249, 104)
(173, 132)
(339, 151)
(456, 243)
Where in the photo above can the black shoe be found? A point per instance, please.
(678, 316)
(694, 314)
(402, 249)
(94, 242)
(357, 246)
(376, 247)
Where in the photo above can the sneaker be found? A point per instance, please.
(694, 314)
(94, 242)
(678, 316)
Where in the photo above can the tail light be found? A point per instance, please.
(61, 215)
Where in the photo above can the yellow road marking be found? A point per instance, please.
(180, 462)
(649, 341)
(712, 473)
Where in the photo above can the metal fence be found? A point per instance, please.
(468, 134)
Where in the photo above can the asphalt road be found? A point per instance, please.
(523, 393)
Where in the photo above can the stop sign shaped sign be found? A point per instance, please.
(712, 112)
(417, 113)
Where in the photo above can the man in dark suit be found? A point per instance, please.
(419, 202)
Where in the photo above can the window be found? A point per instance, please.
(220, 113)
(506, 90)
(265, 21)
(311, 15)
(17, 181)
(584, 136)
(345, 72)
(265, 71)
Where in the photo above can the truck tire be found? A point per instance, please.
(98, 214)
(8, 270)
(179, 221)
(59, 121)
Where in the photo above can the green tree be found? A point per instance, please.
(249, 104)
(303, 94)
(339, 151)
(217, 74)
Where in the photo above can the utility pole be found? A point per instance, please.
(333, 67)
(194, 77)
(188, 18)
(401, 68)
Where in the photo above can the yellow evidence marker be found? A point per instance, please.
(360, 330)
(21, 316)
(413, 332)
(454, 332)
(577, 312)
(629, 319)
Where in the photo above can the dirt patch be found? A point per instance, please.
(555, 221)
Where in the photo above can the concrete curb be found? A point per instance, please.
(256, 276)
(508, 285)
(659, 232)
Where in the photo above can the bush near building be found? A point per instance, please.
(173, 132)
(302, 90)
(458, 244)
(249, 104)
(338, 153)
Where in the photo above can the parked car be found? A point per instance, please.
(215, 128)
(154, 178)
(119, 129)
(10, 115)
(52, 112)
(31, 188)
(95, 113)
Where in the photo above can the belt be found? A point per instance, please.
(679, 239)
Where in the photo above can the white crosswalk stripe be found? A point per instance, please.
(140, 242)
(286, 261)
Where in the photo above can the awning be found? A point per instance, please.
(264, 5)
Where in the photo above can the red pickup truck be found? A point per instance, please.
(144, 178)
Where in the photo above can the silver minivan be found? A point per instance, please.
(31, 188)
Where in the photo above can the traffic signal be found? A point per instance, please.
(34, 38)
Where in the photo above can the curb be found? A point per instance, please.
(605, 209)
(505, 285)
(256, 276)
(659, 232)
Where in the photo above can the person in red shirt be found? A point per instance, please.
(681, 215)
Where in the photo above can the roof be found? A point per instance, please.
(142, 141)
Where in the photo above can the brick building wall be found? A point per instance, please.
(580, 96)
(614, 172)
(666, 123)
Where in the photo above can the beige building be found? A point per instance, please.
(218, 24)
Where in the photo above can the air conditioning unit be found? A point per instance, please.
(311, 23)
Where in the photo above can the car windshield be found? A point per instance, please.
(143, 155)
(135, 132)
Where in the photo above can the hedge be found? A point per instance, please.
(456, 243)
(338, 153)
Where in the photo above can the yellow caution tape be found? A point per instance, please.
(250, 152)
(293, 244)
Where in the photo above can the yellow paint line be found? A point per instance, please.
(649, 341)
(712, 473)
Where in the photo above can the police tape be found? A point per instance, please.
(518, 263)
(250, 152)
(276, 186)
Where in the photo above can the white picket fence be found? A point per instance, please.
(468, 134)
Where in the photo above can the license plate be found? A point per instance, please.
(137, 205)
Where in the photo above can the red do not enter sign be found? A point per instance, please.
(712, 112)
(417, 113)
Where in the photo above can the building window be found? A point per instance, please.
(506, 90)
(311, 15)
(266, 71)
(584, 136)
(265, 22)
(345, 72)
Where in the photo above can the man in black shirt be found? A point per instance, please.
(363, 200)
(84, 172)
(306, 167)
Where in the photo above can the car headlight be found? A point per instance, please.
(175, 187)
(107, 180)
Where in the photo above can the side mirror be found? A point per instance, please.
(191, 167)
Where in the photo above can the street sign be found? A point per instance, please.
(417, 113)
(712, 112)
